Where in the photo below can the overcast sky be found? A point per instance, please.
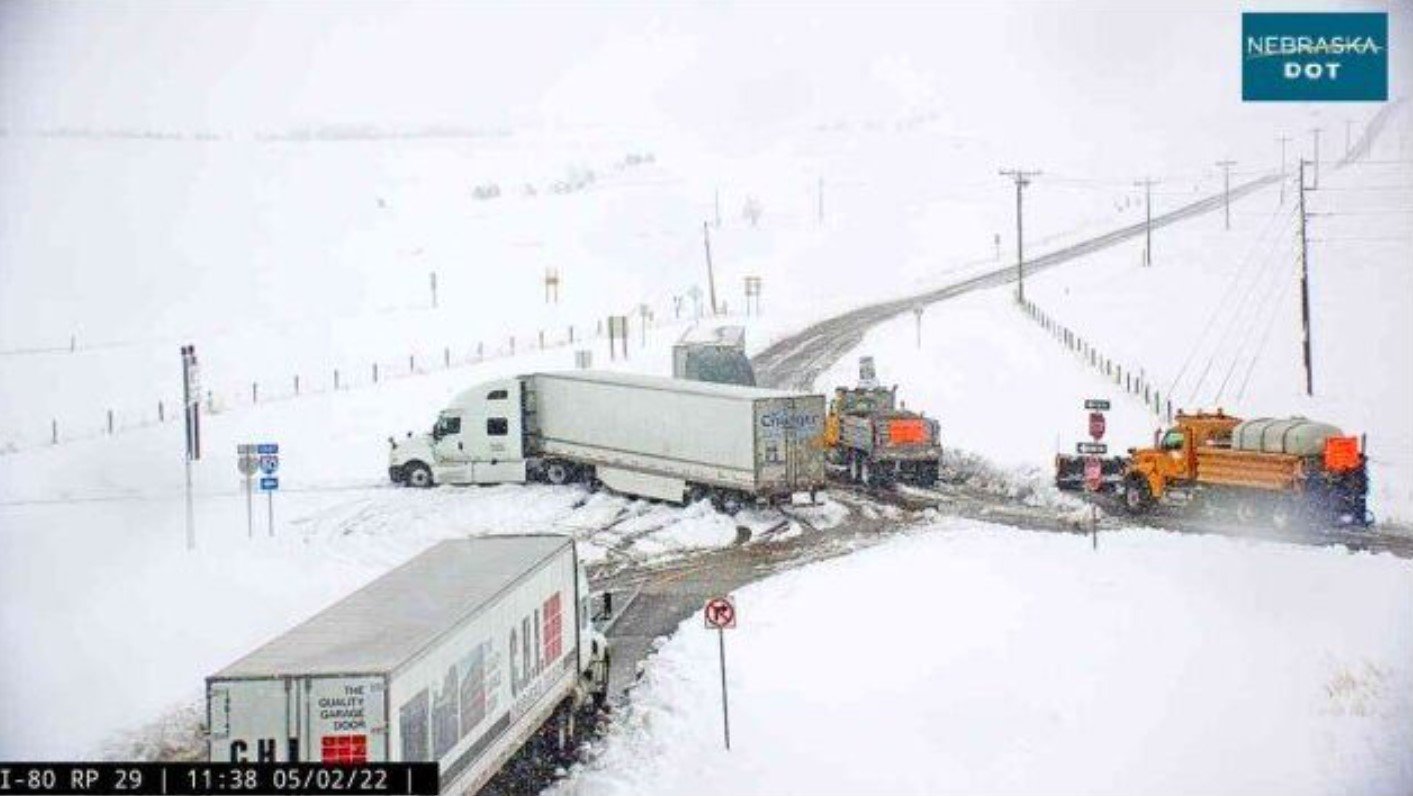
(231, 66)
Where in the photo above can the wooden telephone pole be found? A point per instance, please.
(1305, 288)
(1022, 179)
(1147, 183)
(1226, 187)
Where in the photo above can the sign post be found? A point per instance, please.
(720, 614)
(247, 463)
(191, 412)
(269, 459)
(1093, 467)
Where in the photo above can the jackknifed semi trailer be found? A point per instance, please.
(655, 437)
(461, 656)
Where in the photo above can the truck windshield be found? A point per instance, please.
(1172, 440)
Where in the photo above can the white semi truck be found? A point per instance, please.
(661, 438)
(459, 657)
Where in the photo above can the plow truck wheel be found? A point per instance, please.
(418, 474)
(1138, 497)
(558, 473)
(1246, 510)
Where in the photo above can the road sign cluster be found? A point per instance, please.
(1093, 467)
(262, 458)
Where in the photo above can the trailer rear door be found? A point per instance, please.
(345, 720)
(788, 453)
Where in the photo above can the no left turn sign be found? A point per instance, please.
(720, 613)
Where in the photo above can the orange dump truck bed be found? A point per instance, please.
(1277, 472)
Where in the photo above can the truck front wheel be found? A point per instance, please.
(1138, 496)
(417, 474)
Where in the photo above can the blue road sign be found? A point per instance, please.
(267, 448)
(269, 484)
(269, 464)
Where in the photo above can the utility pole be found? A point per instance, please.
(1147, 183)
(1022, 179)
(1305, 287)
(1316, 184)
(1226, 187)
(1285, 139)
(711, 277)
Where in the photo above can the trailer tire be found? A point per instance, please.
(417, 474)
(557, 472)
(728, 501)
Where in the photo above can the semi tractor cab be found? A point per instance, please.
(478, 439)
(654, 437)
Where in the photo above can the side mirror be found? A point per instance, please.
(605, 611)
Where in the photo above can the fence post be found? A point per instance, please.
(375, 373)
(161, 413)
(255, 392)
(446, 356)
(110, 421)
(512, 345)
(411, 363)
(54, 431)
(542, 339)
(571, 334)
(296, 384)
(336, 379)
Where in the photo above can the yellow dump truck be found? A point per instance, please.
(1283, 470)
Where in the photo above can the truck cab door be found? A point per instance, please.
(452, 463)
(498, 433)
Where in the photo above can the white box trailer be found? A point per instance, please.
(656, 437)
(458, 657)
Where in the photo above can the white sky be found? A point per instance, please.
(244, 66)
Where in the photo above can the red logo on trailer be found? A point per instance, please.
(344, 749)
(1096, 425)
(720, 613)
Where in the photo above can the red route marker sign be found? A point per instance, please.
(720, 613)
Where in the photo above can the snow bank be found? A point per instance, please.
(977, 659)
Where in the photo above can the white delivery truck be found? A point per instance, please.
(655, 437)
(459, 657)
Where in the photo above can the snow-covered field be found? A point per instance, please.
(970, 658)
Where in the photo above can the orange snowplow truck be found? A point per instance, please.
(1283, 470)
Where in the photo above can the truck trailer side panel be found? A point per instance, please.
(719, 435)
(458, 657)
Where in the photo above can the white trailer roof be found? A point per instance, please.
(737, 391)
(391, 620)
